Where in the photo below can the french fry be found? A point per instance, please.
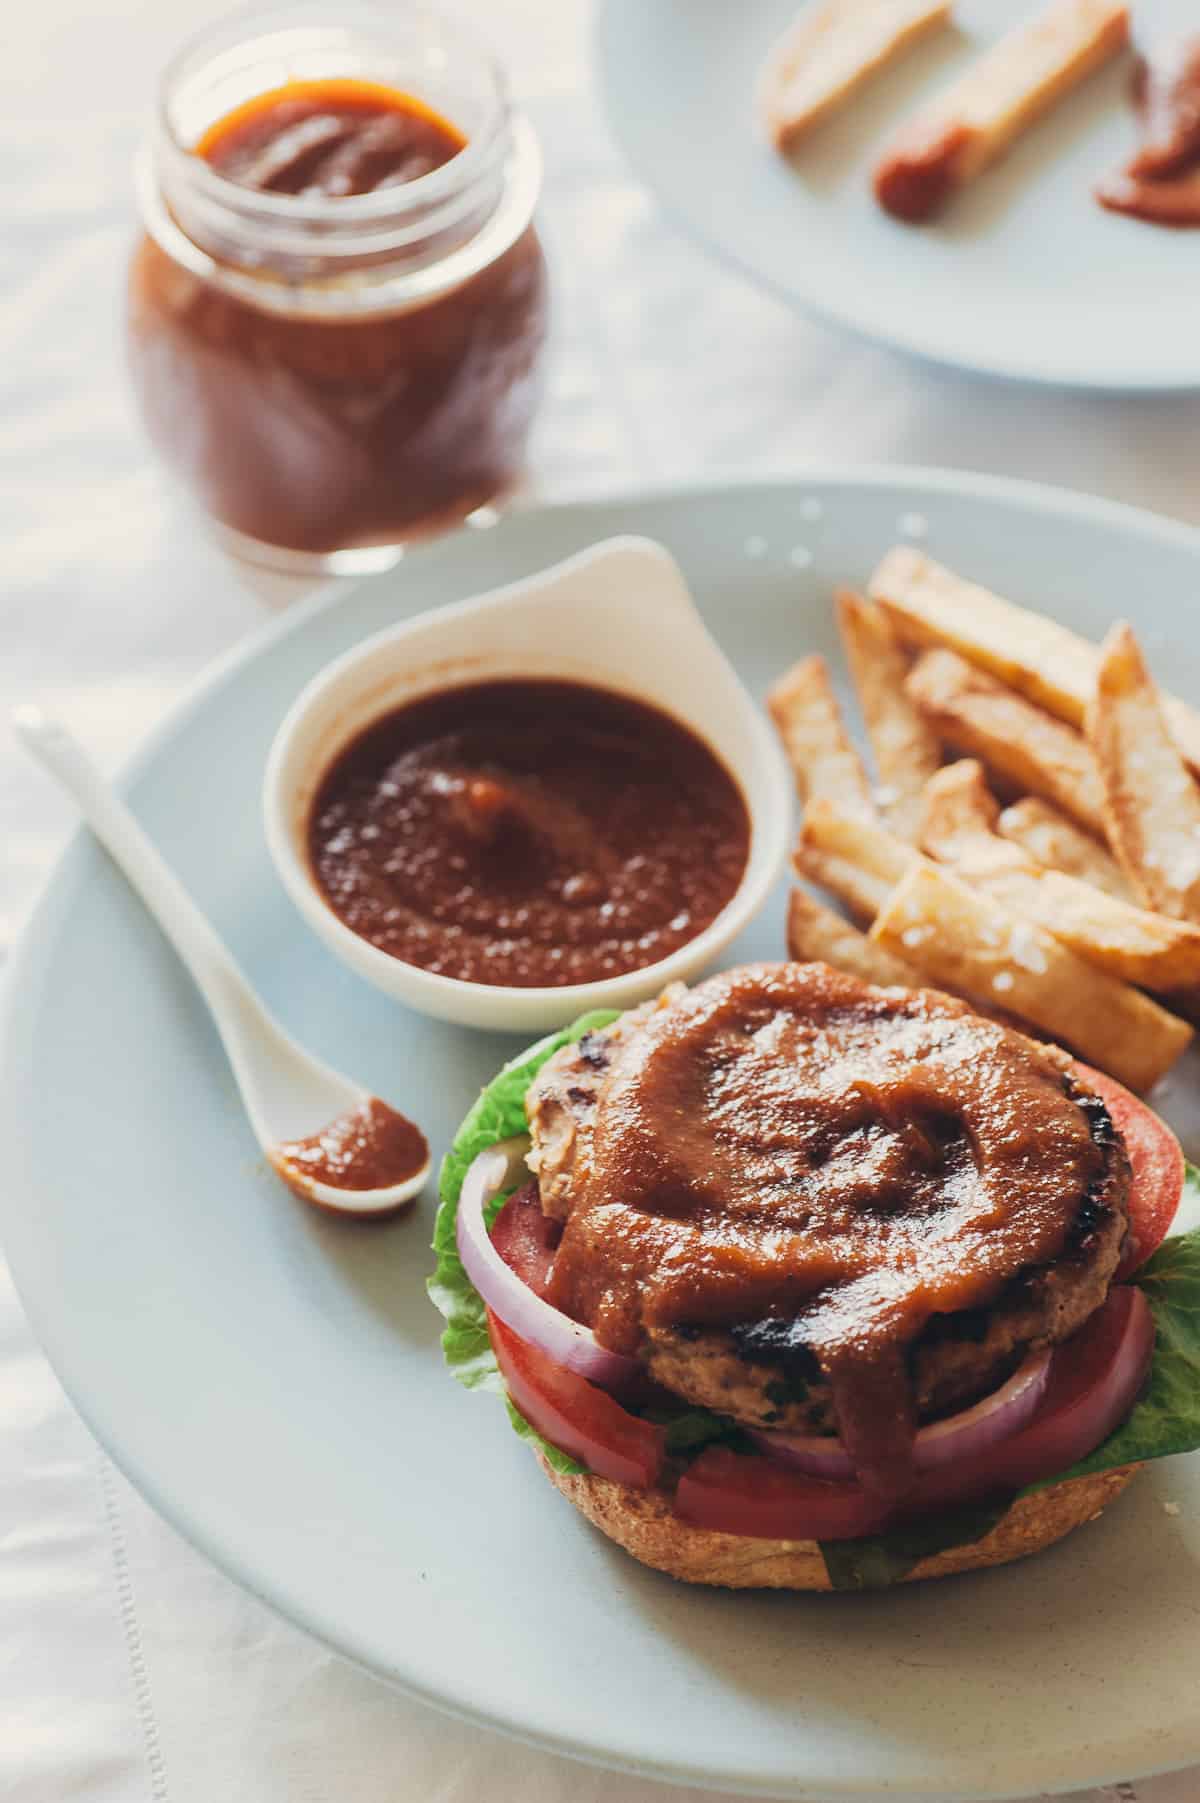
(807, 717)
(929, 605)
(1151, 803)
(958, 810)
(816, 934)
(830, 52)
(867, 846)
(999, 96)
(979, 716)
(965, 941)
(1058, 844)
(1138, 946)
(862, 892)
(906, 752)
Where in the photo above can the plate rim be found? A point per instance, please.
(1044, 498)
(849, 320)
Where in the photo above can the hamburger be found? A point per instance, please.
(797, 1282)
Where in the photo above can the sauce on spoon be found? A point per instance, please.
(370, 1147)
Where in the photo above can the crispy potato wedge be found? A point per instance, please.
(824, 761)
(965, 941)
(999, 96)
(865, 844)
(958, 810)
(816, 934)
(1017, 741)
(1139, 946)
(906, 751)
(1151, 802)
(929, 605)
(1058, 844)
(830, 51)
(862, 892)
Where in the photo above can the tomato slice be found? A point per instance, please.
(740, 1494)
(1094, 1380)
(575, 1416)
(526, 1239)
(1158, 1169)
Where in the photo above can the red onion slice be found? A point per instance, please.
(565, 1341)
(960, 1436)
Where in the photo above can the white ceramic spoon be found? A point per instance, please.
(289, 1096)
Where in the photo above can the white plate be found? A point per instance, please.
(1026, 276)
(271, 1379)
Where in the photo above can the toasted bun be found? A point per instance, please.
(643, 1523)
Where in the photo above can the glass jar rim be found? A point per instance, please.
(330, 214)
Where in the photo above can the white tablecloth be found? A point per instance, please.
(130, 1670)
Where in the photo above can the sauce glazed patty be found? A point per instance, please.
(820, 1206)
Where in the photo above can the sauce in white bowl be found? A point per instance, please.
(690, 763)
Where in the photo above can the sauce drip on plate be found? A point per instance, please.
(528, 833)
(370, 1147)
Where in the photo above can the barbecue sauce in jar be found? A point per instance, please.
(337, 312)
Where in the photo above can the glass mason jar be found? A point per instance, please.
(333, 376)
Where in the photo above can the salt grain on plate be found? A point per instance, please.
(1024, 949)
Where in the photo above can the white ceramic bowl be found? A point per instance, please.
(619, 616)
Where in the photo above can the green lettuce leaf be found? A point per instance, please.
(498, 1113)
(877, 1560)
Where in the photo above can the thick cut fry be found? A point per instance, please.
(1058, 844)
(830, 51)
(980, 717)
(862, 892)
(817, 934)
(957, 811)
(906, 751)
(1151, 803)
(831, 832)
(1132, 943)
(930, 605)
(807, 717)
(998, 97)
(965, 941)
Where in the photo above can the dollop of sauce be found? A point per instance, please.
(528, 833)
(1162, 183)
(370, 1147)
(331, 138)
(786, 1141)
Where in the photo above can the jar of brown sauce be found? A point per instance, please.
(337, 311)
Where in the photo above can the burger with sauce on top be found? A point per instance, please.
(802, 1283)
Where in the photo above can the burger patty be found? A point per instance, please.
(762, 1372)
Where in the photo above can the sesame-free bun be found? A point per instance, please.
(643, 1523)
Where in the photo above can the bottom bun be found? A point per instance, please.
(643, 1523)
